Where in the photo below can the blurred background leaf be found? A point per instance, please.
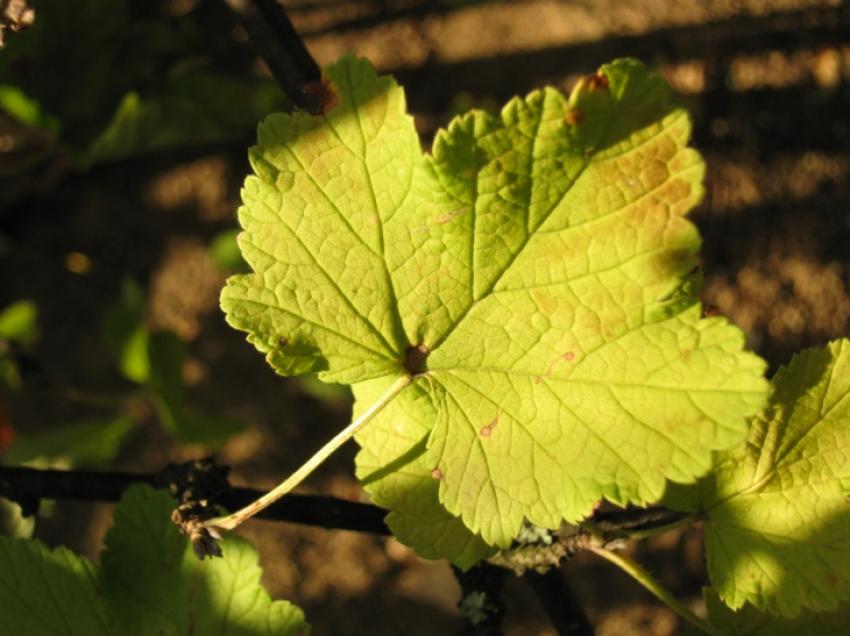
(166, 353)
(85, 444)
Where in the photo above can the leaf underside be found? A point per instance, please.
(149, 582)
(777, 509)
(748, 621)
(537, 262)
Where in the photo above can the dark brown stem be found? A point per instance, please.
(635, 519)
(560, 603)
(279, 44)
(28, 485)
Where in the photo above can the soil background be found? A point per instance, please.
(768, 84)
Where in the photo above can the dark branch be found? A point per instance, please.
(634, 519)
(28, 485)
(560, 603)
(279, 44)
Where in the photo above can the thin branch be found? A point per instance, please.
(279, 44)
(564, 610)
(642, 576)
(28, 485)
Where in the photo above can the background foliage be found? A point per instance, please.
(773, 222)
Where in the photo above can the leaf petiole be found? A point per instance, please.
(235, 519)
(642, 576)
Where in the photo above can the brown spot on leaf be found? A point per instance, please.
(318, 98)
(437, 473)
(595, 82)
(567, 356)
(487, 431)
(831, 579)
(574, 116)
(282, 342)
(447, 216)
(709, 311)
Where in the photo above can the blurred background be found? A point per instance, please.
(124, 127)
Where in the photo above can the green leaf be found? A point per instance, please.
(198, 107)
(125, 333)
(165, 354)
(393, 467)
(529, 273)
(149, 583)
(13, 523)
(49, 592)
(777, 510)
(154, 584)
(58, 74)
(25, 109)
(748, 621)
(19, 322)
(91, 443)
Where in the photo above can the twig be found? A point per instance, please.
(642, 576)
(279, 44)
(638, 523)
(233, 520)
(28, 485)
(21, 484)
(560, 603)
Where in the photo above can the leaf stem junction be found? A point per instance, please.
(235, 519)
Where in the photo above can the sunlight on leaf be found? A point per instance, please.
(149, 582)
(778, 509)
(529, 273)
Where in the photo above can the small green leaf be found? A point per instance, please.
(149, 582)
(198, 107)
(125, 333)
(91, 443)
(49, 591)
(13, 523)
(25, 109)
(166, 353)
(531, 274)
(154, 584)
(19, 322)
(748, 621)
(777, 510)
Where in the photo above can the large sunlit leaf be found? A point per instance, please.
(532, 273)
(150, 582)
(777, 511)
